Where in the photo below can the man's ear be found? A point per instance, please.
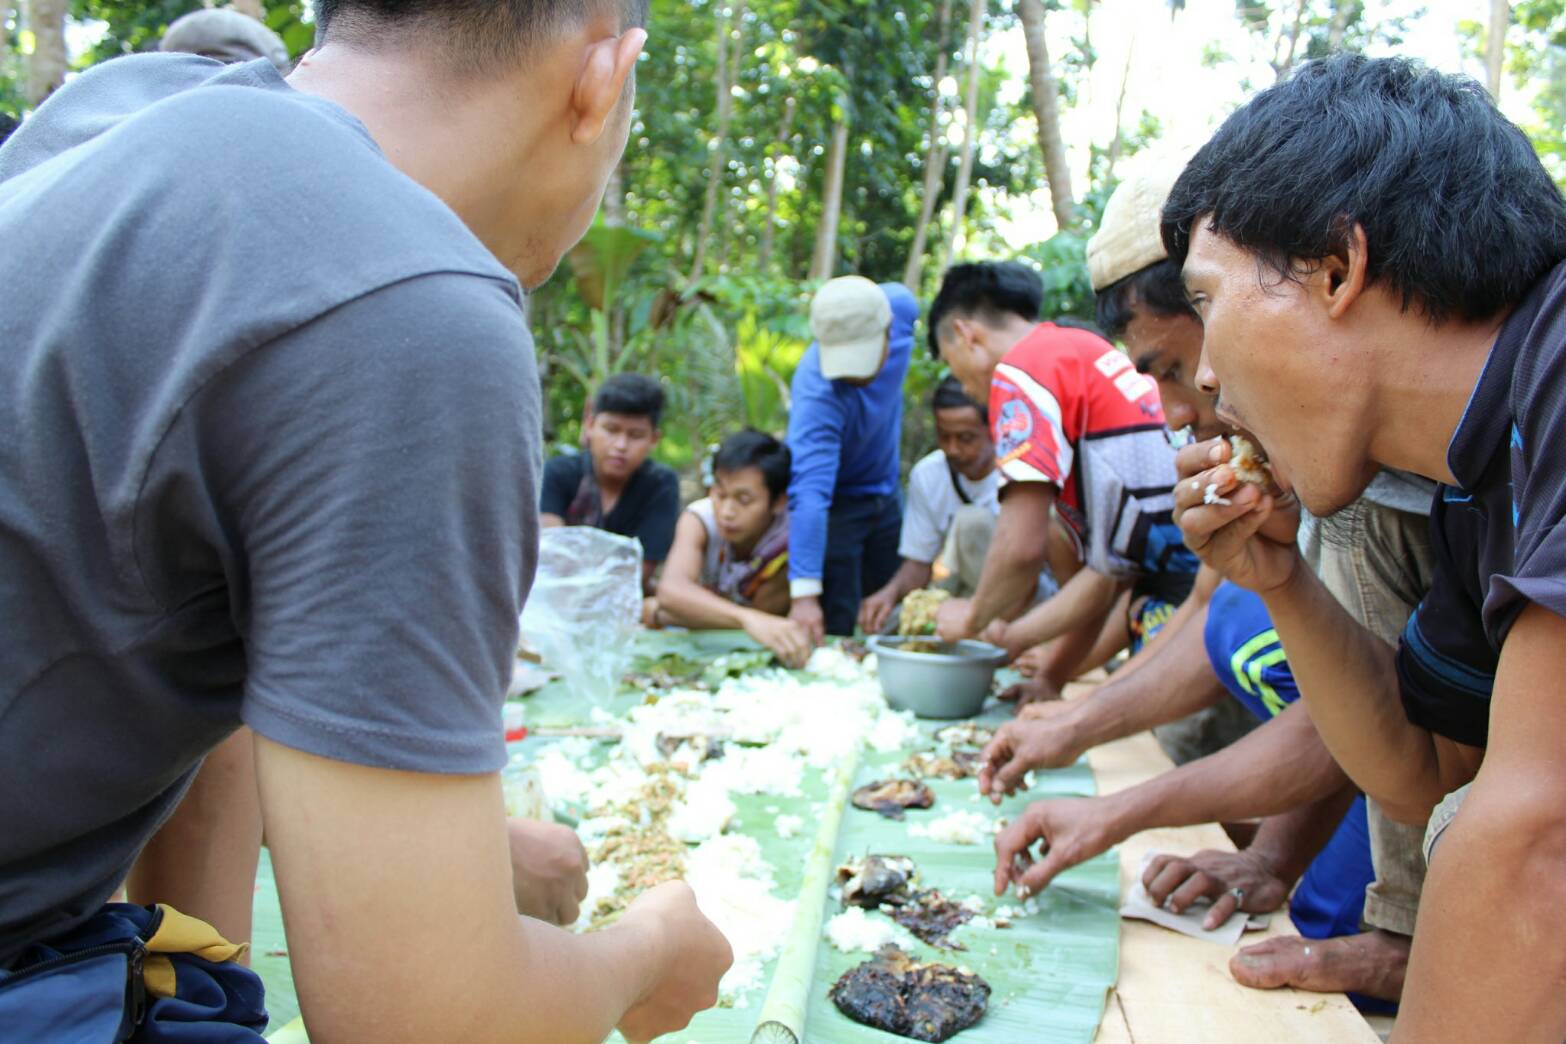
(1343, 273)
(657, 436)
(608, 66)
(962, 331)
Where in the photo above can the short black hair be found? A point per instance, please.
(989, 290)
(1459, 214)
(8, 124)
(1157, 289)
(756, 449)
(632, 395)
(949, 395)
(484, 33)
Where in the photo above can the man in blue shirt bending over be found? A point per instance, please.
(845, 513)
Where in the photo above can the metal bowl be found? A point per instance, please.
(951, 682)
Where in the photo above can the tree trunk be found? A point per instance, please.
(252, 8)
(736, 54)
(1046, 108)
(1495, 46)
(825, 259)
(970, 134)
(1283, 59)
(1341, 9)
(764, 255)
(723, 79)
(1118, 144)
(934, 157)
(47, 65)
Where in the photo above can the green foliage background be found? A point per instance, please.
(725, 339)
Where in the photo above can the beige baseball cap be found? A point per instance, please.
(1128, 237)
(226, 36)
(849, 318)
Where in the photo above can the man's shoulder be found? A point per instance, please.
(243, 159)
(1047, 355)
(660, 477)
(277, 207)
(310, 166)
(1538, 390)
(929, 467)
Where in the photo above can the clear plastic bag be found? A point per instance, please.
(585, 607)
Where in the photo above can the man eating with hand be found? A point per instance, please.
(1376, 254)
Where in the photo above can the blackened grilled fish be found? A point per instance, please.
(895, 993)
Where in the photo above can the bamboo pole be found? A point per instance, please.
(783, 1015)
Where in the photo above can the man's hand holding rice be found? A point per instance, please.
(1238, 526)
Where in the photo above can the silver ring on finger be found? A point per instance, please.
(1238, 893)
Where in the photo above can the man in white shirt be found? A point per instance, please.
(952, 506)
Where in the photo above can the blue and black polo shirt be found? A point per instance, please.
(1498, 535)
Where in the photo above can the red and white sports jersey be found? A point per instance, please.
(1068, 408)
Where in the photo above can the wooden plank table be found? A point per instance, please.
(1177, 990)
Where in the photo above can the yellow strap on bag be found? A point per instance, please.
(181, 933)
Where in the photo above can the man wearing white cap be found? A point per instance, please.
(846, 418)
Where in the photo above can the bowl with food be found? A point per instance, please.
(935, 679)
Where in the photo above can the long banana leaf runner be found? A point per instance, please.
(1050, 972)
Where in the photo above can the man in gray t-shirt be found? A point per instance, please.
(269, 455)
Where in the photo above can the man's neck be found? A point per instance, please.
(1008, 335)
(1424, 381)
(438, 131)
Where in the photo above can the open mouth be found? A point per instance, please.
(1250, 463)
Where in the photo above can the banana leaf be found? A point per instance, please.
(1050, 972)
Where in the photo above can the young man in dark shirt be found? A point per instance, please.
(1377, 257)
(615, 486)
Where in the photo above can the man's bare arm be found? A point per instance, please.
(548, 521)
(1274, 769)
(1084, 600)
(1179, 682)
(910, 576)
(875, 609)
(1348, 677)
(680, 593)
(1271, 770)
(1495, 898)
(1346, 674)
(203, 860)
(402, 926)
